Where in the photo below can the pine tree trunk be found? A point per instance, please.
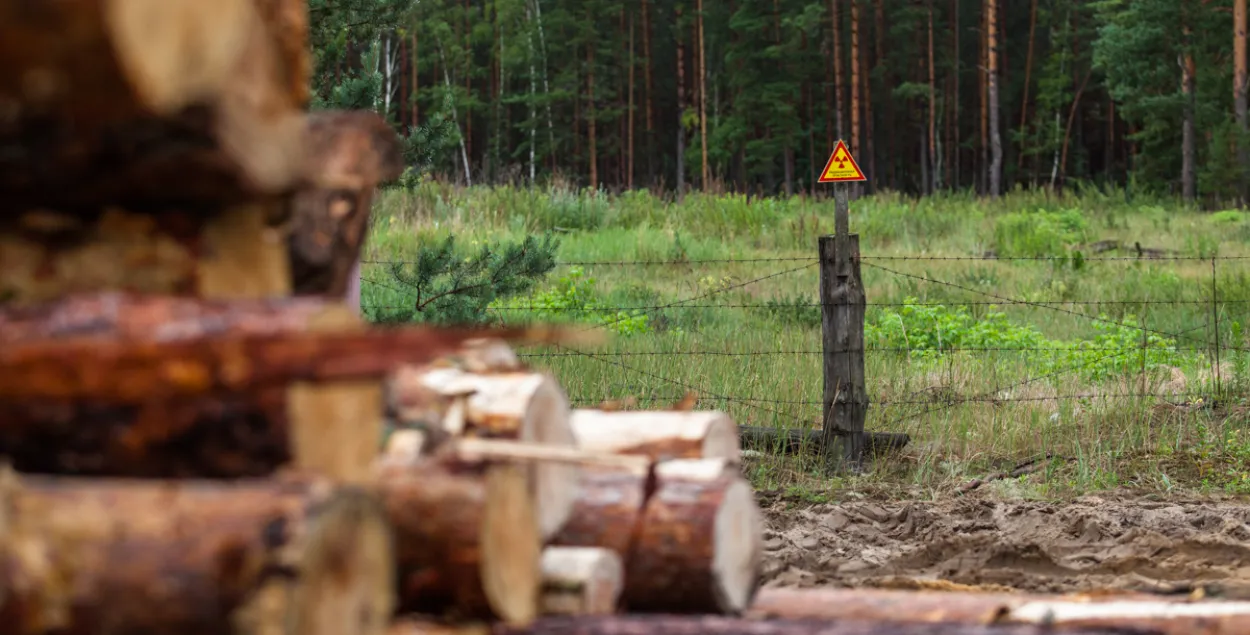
(1239, 96)
(706, 176)
(681, 105)
(935, 178)
(838, 93)
(415, 86)
(1067, 129)
(996, 145)
(887, 88)
(1028, 76)
(648, 107)
(870, 158)
(590, 111)
(955, 139)
(629, 141)
(855, 87)
(542, 47)
(1188, 180)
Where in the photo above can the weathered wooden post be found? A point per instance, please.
(842, 324)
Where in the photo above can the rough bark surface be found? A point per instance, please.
(467, 544)
(699, 546)
(102, 557)
(608, 510)
(350, 153)
(107, 109)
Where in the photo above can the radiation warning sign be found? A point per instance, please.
(841, 167)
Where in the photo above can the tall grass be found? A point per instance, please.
(1067, 348)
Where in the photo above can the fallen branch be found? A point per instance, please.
(1028, 467)
(801, 440)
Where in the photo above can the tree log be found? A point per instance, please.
(349, 155)
(718, 625)
(581, 581)
(244, 407)
(147, 101)
(699, 549)
(1064, 614)
(521, 406)
(208, 347)
(608, 510)
(105, 557)
(467, 544)
(660, 435)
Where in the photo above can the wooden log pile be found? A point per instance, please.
(198, 437)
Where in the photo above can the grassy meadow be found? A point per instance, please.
(1100, 360)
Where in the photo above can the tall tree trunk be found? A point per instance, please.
(887, 88)
(455, 117)
(1188, 72)
(983, 163)
(416, 76)
(958, 67)
(646, 52)
(1239, 96)
(1028, 77)
(591, 111)
(1067, 129)
(936, 178)
(401, 100)
(838, 93)
(855, 72)
(533, 109)
(996, 144)
(706, 174)
(542, 47)
(870, 158)
(501, 79)
(681, 105)
(629, 152)
(468, 82)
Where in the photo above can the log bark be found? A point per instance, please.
(350, 153)
(1132, 612)
(699, 546)
(467, 544)
(108, 557)
(128, 101)
(213, 347)
(608, 510)
(581, 581)
(658, 435)
(719, 625)
(521, 406)
(196, 388)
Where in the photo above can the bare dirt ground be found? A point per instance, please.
(1091, 543)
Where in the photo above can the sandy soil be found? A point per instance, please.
(1168, 546)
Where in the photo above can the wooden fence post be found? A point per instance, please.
(842, 324)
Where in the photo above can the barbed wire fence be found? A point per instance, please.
(633, 375)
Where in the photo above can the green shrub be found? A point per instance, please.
(1038, 233)
(572, 299)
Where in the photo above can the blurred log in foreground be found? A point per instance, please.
(292, 555)
(719, 625)
(350, 153)
(447, 402)
(149, 101)
(608, 509)
(467, 543)
(1136, 612)
(581, 581)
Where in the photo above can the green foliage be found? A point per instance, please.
(445, 285)
(573, 298)
(1039, 233)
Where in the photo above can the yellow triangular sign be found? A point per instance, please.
(841, 167)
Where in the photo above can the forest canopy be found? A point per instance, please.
(751, 95)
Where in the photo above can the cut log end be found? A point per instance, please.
(699, 547)
(660, 435)
(555, 483)
(511, 548)
(348, 581)
(738, 554)
(581, 581)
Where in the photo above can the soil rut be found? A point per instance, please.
(1088, 544)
